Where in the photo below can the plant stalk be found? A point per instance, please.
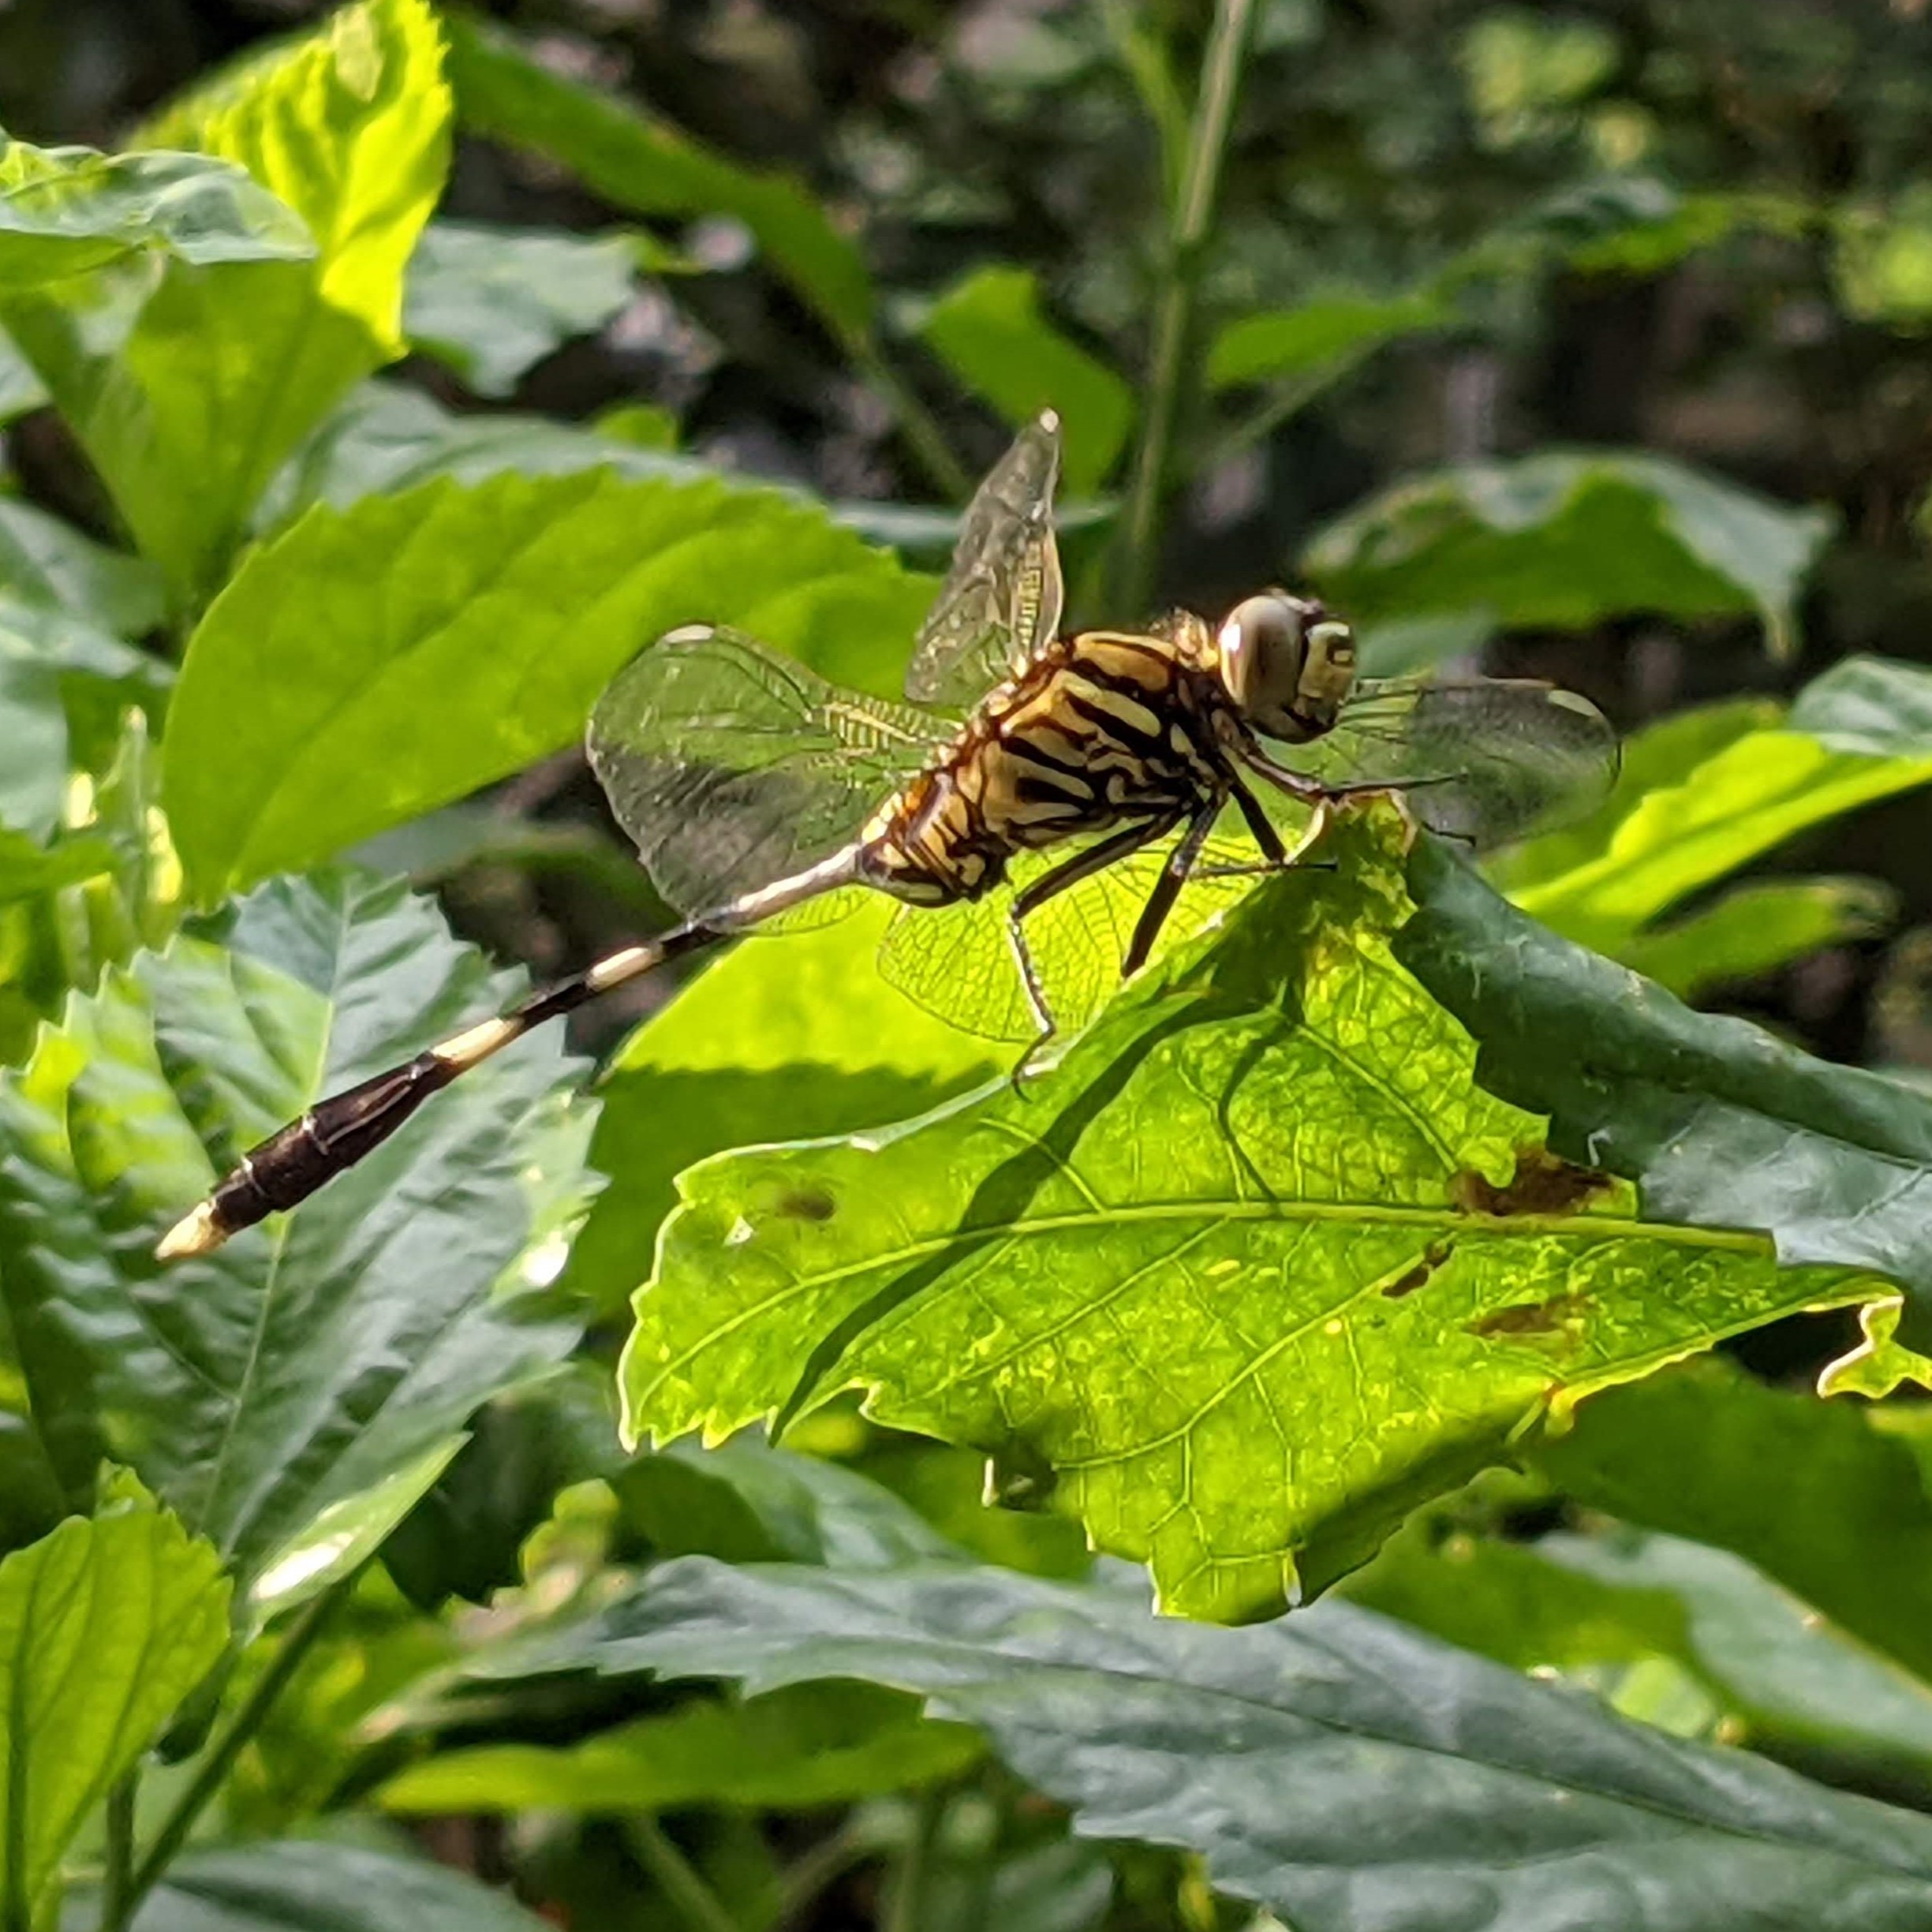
(117, 1875)
(917, 424)
(907, 1910)
(1171, 383)
(678, 1879)
(220, 1757)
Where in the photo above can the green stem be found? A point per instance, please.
(923, 437)
(906, 1910)
(219, 1758)
(678, 1879)
(810, 1876)
(118, 1876)
(1170, 382)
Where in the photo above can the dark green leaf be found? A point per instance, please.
(810, 1744)
(305, 1886)
(65, 210)
(1331, 1766)
(1821, 1495)
(1565, 539)
(786, 1038)
(645, 165)
(989, 330)
(217, 372)
(1131, 1285)
(492, 302)
(48, 563)
(105, 1627)
(1720, 1125)
(294, 1394)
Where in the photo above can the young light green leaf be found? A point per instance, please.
(276, 1394)
(638, 162)
(311, 1886)
(1331, 1766)
(1708, 789)
(1138, 1290)
(491, 303)
(217, 372)
(791, 1037)
(808, 1744)
(66, 210)
(1565, 539)
(1322, 333)
(989, 330)
(499, 612)
(105, 1627)
(1719, 1124)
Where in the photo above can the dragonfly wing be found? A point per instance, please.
(1003, 596)
(731, 767)
(1490, 759)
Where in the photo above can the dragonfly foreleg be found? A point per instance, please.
(1319, 791)
(1095, 858)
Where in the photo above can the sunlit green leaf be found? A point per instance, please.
(1883, 262)
(786, 1038)
(105, 1627)
(1565, 539)
(492, 302)
(639, 163)
(188, 394)
(810, 1744)
(1719, 1124)
(1332, 1765)
(291, 1394)
(1236, 1351)
(1708, 789)
(65, 210)
(989, 330)
(304, 1885)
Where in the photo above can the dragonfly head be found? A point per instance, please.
(1288, 666)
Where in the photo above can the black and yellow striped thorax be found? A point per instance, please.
(1101, 729)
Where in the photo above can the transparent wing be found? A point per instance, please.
(1491, 759)
(1003, 595)
(732, 767)
(957, 962)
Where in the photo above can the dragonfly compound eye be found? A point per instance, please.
(1287, 664)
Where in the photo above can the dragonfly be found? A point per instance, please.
(754, 790)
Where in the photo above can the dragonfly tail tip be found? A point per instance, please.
(198, 1233)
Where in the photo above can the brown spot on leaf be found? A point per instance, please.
(1542, 1184)
(1551, 1316)
(1433, 1256)
(808, 1204)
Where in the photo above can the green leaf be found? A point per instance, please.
(1719, 1124)
(1565, 539)
(292, 1395)
(1882, 266)
(21, 389)
(28, 869)
(989, 329)
(491, 303)
(636, 161)
(1331, 1766)
(1706, 791)
(499, 612)
(1756, 929)
(105, 1627)
(48, 563)
(791, 1038)
(1319, 334)
(217, 372)
(1819, 1495)
(65, 210)
(808, 1744)
(1132, 1285)
(1764, 1667)
(308, 1886)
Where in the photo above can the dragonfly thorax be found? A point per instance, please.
(1288, 666)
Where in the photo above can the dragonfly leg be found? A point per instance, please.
(1181, 861)
(1275, 856)
(1319, 791)
(1095, 858)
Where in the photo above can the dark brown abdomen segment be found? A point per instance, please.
(288, 1167)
